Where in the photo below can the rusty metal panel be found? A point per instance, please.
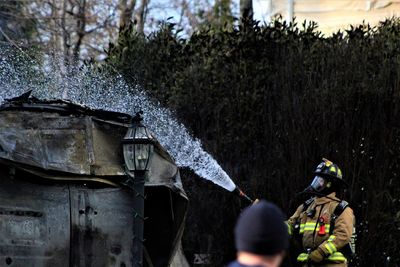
(45, 140)
(107, 148)
(102, 227)
(34, 224)
(80, 145)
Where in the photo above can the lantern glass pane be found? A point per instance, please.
(141, 133)
(130, 134)
(143, 154)
(129, 156)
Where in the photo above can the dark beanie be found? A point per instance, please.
(261, 230)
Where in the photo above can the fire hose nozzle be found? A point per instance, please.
(240, 193)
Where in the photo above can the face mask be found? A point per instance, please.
(319, 184)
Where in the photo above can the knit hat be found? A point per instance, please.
(261, 230)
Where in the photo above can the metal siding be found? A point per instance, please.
(34, 224)
(102, 227)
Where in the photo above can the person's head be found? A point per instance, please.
(328, 179)
(261, 235)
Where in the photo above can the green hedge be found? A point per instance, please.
(268, 102)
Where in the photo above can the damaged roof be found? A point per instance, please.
(61, 139)
(63, 107)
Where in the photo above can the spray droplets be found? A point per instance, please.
(100, 91)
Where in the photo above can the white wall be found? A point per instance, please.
(331, 15)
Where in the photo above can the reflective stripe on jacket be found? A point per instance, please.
(334, 257)
(310, 225)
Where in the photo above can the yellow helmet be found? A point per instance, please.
(327, 169)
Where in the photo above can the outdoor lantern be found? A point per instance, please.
(138, 146)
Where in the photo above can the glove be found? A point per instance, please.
(316, 256)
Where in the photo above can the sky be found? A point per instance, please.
(161, 10)
(261, 8)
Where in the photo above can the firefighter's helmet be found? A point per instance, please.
(327, 174)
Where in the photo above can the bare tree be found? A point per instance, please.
(140, 15)
(126, 8)
(81, 29)
(15, 27)
(195, 14)
(222, 12)
(246, 9)
(75, 29)
(188, 12)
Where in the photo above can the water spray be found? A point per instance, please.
(108, 92)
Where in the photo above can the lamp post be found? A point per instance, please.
(138, 147)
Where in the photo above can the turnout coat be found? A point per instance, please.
(312, 224)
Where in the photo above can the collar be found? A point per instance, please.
(254, 260)
(326, 199)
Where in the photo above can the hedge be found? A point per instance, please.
(269, 101)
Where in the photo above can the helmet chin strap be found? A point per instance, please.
(311, 191)
(307, 190)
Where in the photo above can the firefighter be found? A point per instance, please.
(324, 224)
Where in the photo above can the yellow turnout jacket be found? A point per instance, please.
(309, 223)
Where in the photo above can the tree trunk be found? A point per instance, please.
(80, 29)
(222, 12)
(126, 8)
(140, 15)
(65, 34)
(246, 9)
(185, 11)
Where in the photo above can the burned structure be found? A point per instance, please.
(63, 199)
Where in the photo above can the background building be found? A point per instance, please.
(331, 15)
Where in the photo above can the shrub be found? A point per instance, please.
(269, 101)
